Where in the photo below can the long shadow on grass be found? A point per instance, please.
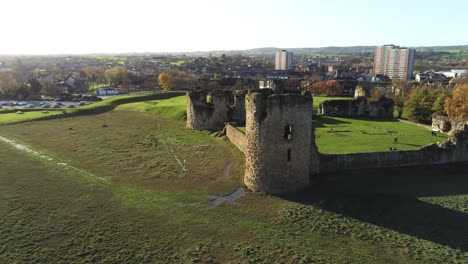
(321, 121)
(408, 144)
(389, 198)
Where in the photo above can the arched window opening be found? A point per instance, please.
(288, 132)
(208, 99)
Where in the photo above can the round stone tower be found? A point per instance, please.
(279, 137)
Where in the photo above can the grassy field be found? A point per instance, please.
(368, 135)
(9, 118)
(174, 108)
(149, 210)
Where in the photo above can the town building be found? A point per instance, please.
(283, 60)
(395, 62)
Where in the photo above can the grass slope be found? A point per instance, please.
(58, 215)
(174, 108)
(9, 118)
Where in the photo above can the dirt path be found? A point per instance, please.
(416, 124)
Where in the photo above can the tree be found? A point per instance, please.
(49, 89)
(332, 88)
(35, 86)
(421, 104)
(95, 74)
(165, 81)
(8, 85)
(457, 105)
(377, 93)
(439, 103)
(23, 90)
(116, 75)
(400, 92)
(317, 88)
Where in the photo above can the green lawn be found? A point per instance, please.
(151, 211)
(174, 108)
(369, 135)
(9, 118)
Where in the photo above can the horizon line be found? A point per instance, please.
(208, 51)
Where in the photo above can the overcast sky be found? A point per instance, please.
(103, 26)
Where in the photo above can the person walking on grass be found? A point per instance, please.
(395, 139)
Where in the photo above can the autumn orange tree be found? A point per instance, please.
(457, 105)
(332, 88)
(317, 88)
(165, 81)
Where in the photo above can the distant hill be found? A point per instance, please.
(307, 51)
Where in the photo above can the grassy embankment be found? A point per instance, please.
(150, 210)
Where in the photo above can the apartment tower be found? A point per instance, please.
(283, 60)
(395, 62)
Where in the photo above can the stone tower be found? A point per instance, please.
(204, 113)
(281, 152)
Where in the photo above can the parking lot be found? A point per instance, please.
(42, 104)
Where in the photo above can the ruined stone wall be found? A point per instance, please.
(455, 150)
(237, 113)
(279, 132)
(224, 106)
(236, 137)
(356, 107)
(383, 108)
(447, 125)
(359, 91)
(360, 106)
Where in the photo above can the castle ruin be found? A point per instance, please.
(360, 106)
(279, 144)
(279, 132)
(210, 111)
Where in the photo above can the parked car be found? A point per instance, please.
(81, 103)
(56, 105)
(22, 103)
(29, 106)
(46, 105)
(3, 103)
(71, 106)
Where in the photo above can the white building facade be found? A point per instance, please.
(395, 62)
(283, 60)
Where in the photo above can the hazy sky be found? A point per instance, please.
(97, 26)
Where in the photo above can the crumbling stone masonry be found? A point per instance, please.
(360, 106)
(447, 125)
(356, 107)
(279, 144)
(383, 108)
(279, 136)
(210, 111)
